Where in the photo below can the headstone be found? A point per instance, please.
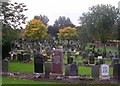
(14, 57)
(67, 70)
(47, 69)
(108, 55)
(91, 60)
(19, 57)
(70, 60)
(57, 62)
(5, 66)
(38, 63)
(116, 71)
(115, 61)
(104, 72)
(95, 70)
(73, 70)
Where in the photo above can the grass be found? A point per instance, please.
(84, 70)
(21, 67)
(28, 68)
(23, 81)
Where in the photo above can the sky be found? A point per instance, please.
(55, 8)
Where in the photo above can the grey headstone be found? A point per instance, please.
(47, 69)
(67, 70)
(73, 70)
(95, 70)
(5, 66)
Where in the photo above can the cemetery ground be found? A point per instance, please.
(22, 73)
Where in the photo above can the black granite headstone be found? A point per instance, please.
(38, 63)
(14, 57)
(116, 71)
(91, 60)
(115, 61)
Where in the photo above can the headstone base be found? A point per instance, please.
(38, 75)
(73, 77)
(56, 76)
(104, 77)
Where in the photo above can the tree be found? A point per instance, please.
(67, 33)
(63, 22)
(9, 35)
(52, 30)
(13, 17)
(35, 30)
(42, 18)
(13, 14)
(99, 22)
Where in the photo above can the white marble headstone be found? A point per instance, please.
(104, 72)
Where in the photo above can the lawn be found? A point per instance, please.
(21, 67)
(23, 81)
(29, 68)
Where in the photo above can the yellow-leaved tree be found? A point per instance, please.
(35, 30)
(67, 33)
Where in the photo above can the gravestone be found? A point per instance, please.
(47, 69)
(57, 62)
(91, 60)
(14, 57)
(73, 70)
(95, 70)
(19, 57)
(5, 66)
(67, 70)
(104, 72)
(108, 55)
(86, 53)
(115, 61)
(38, 63)
(69, 60)
(116, 71)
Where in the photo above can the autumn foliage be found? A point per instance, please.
(67, 33)
(35, 30)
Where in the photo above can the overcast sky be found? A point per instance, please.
(55, 8)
